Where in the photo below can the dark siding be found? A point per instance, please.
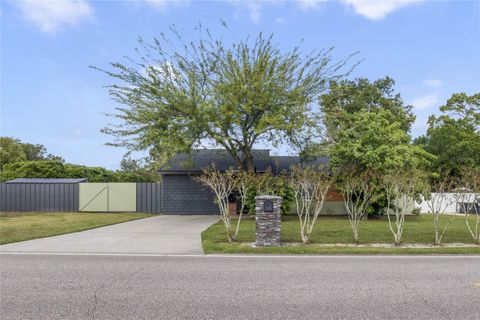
(177, 194)
(149, 197)
(39, 197)
(183, 195)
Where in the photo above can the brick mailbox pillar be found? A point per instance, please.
(268, 221)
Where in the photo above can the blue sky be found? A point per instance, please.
(49, 95)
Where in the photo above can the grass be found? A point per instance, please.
(16, 227)
(330, 230)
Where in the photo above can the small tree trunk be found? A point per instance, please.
(356, 239)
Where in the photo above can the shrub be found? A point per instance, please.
(56, 169)
(269, 184)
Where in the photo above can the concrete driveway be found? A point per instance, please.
(156, 235)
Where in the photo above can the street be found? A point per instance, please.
(63, 286)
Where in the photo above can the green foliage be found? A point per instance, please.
(138, 168)
(373, 142)
(454, 136)
(367, 126)
(375, 145)
(13, 150)
(10, 151)
(179, 93)
(348, 97)
(57, 169)
(269, 184)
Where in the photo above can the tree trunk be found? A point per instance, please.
(248, 160)
(245, 160)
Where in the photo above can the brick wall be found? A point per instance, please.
(183, 195)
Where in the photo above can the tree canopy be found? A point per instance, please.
(367, 126)
(176, 95)
(371, 149)
(347, 97)
(13, 150)
(57, 169)
(372, 142)
(454, 136)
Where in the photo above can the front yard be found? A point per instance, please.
(25, 226)
(336, 230)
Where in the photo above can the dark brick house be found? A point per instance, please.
(183, 195)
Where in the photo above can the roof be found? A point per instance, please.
(200, 159)
(38, 180)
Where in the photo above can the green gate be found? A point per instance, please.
(108, 197)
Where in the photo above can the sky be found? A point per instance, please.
(50, 95)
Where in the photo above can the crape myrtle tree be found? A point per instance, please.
(365, 152)
(177, 94)
(224, 184)
(438, 201)
(402, 188)
(310, 185)
(243, 184)
(467, 196)
(357, 188)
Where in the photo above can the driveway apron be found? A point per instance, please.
(156, 235)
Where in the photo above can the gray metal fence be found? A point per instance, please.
(38, 197)
(175, 195)
(149, 197)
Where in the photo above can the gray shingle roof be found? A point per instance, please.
(200, 159)
(38, 180)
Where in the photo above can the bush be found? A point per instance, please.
(57, 169)
(268, 184)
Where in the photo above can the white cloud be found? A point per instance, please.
(253, 9)
(377, 9)
(51, 16)
(420, 125)
(162, 5)
(432, 82)
(425, 101)
(310, 4)
(280, 20)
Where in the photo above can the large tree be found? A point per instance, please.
(454, 135)
(348, 97)
(13, 150)
(10, 151)
(176, 96)
(372, 147)
(367, 127)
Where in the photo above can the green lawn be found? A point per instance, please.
(418, 229)
(25, 226)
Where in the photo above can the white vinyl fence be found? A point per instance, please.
(452, 201)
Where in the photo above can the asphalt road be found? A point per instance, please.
(225, 287)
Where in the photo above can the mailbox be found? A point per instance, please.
(268, 206)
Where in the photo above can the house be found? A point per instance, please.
(182, 194)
